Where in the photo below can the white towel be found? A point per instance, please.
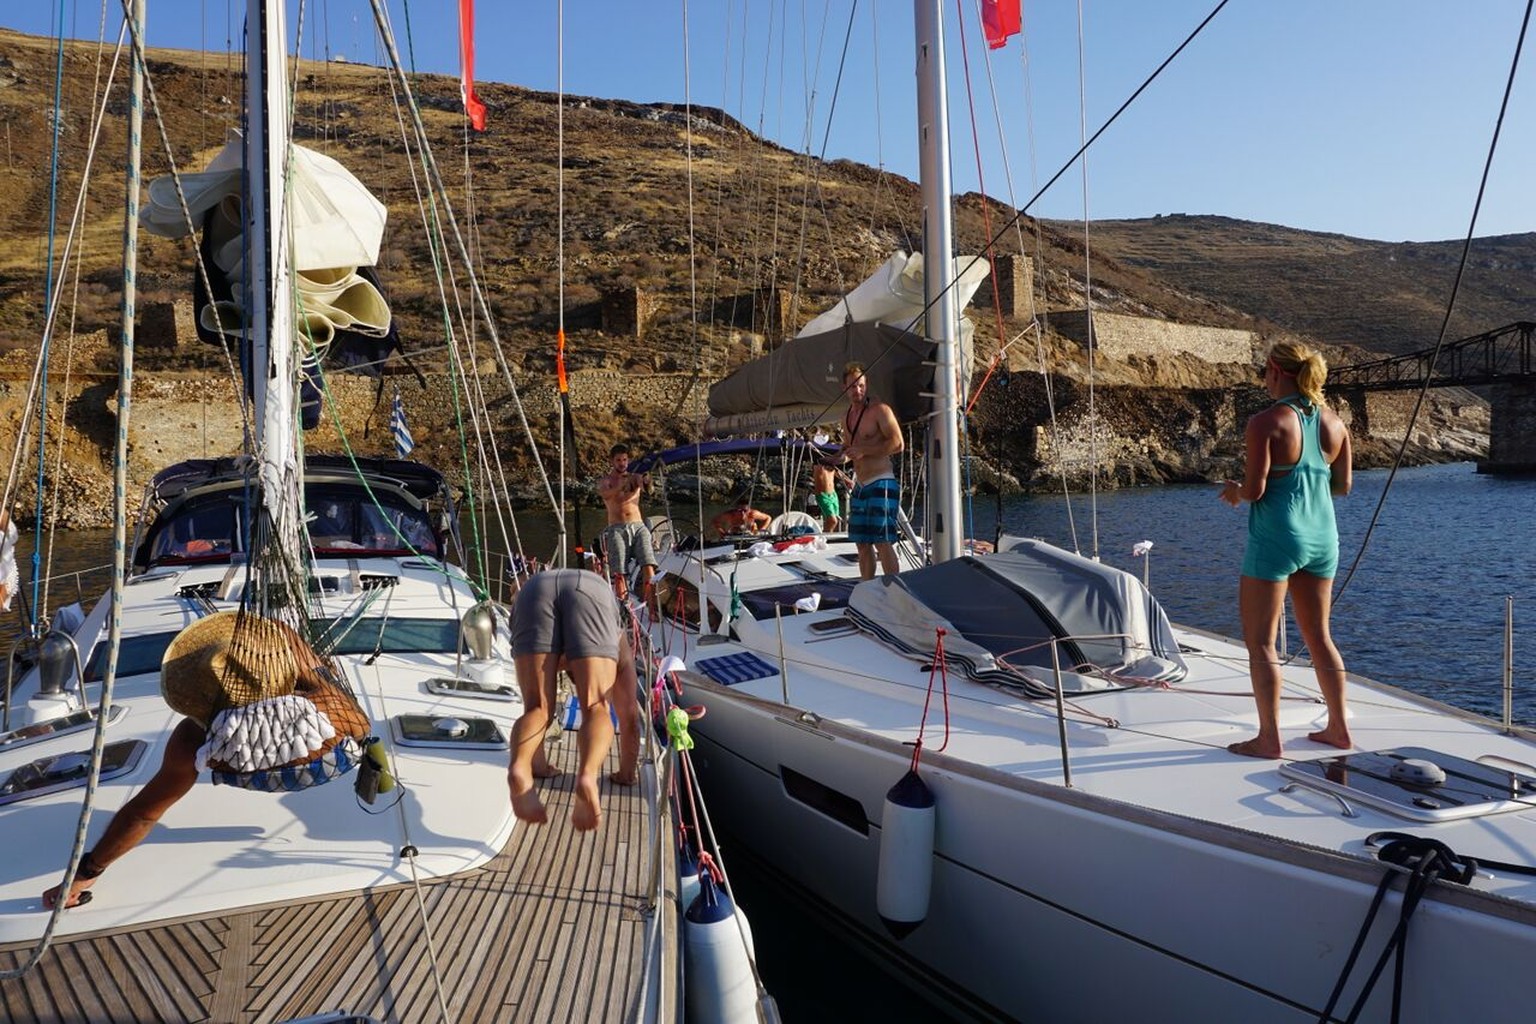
(10, 576)
(265, 734)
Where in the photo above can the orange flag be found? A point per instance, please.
(1001, 19)
(472, 105)
(560, 361)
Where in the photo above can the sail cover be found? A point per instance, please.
(807, 372)
(800, 384)
(1002, 612)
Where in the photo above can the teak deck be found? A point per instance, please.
(554, 928)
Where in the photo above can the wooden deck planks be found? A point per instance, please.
(553, 929)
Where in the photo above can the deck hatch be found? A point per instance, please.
(70, 770)
(77, 721)
(1397, 782)
(457, 732)
(445, 686)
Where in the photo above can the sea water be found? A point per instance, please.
(1420, 598)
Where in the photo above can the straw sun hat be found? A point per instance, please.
(226, 660)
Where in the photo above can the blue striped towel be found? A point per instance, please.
(730, 669)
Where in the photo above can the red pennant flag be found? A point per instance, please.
(472, 105)
(1001, 19)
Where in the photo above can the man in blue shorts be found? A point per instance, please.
(873, 437)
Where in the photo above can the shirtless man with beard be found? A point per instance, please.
(873, 437)
(626, 532)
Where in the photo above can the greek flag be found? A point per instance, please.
(404, 443)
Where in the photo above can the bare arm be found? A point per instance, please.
(1256, 442)
(129, 826)
(1341, 471)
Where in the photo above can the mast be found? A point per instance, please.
(942, 321)
(271, 301)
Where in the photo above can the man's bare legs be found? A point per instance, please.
(536, 680)
(624, 699)
(1259, 603)
(1312, 598)
(593, 679)
(884, 553)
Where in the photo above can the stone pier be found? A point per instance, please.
(1511, 428)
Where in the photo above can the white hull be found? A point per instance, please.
(1172, 881)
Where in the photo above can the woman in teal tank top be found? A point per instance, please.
(1298, 458)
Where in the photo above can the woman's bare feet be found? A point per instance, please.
(1333, 736)
(1256, 747)
(587, 813)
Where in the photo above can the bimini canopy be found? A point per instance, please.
(736, 446)
(1002, 612)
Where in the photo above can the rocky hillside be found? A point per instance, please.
(1383, 296)
(766, 239)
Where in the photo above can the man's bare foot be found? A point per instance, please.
(587, 813)
(1333, 736)
(628, 778)
(542, 769)
(528, 807)
(1255, 748)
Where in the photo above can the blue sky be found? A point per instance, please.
(1364, 117)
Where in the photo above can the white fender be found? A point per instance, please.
(717, 963)
(687, 877)
(906, 855)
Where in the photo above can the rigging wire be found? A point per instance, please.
(56, 129)
(564, 405)
(961, 384)
(1020, 212)
(1040, 316)
(1450, 305)
(1093, 337)
(435, 177)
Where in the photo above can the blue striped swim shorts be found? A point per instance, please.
(872, 513)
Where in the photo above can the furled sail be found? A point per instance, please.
(338, 225)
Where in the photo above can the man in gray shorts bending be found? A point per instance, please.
(569, 613)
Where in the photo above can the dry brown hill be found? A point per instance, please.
(1384, 296)
(757, 218)
(760, 215)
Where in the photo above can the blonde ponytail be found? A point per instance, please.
(1304, 363)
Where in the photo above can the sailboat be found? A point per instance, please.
(292, 892)
(1077, 844)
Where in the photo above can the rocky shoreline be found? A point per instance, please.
(1139, 434)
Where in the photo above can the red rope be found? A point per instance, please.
(940, 668)
(707, 863)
